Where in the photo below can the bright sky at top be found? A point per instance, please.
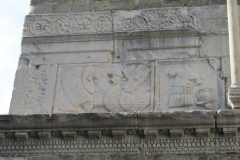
(12, 13)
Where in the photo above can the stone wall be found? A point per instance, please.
(122, 80)
(110, 59)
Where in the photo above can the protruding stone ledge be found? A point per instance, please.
(21, 136)
(151, 134)
(69, 135)
(44, 136)
(95, 134)
(202, 133)
(176, 133)
(119, 134)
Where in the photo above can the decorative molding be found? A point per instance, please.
(155, 19)
(102, 22)
(67, 24)
(128, 146)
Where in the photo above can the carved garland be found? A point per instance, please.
(64, 24)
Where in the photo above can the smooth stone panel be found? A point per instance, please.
(69, 58)
(215, 46)
(71, 47)
(41, 9)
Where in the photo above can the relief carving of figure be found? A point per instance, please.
(181, 93)
(112, 94)
(111, 88)
(205, 98)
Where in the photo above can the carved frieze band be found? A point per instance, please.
(120, 21)
(155, 19)
(67, 24)
(129, 146)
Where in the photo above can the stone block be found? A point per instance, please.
(2, 137)
(81, 7)
(210, 12)
(61, 8)
(221, 43)
(119, 134)
(44, 136)
(176, 133)
(67, 24)
(218, 2)
(225, 67)
(21, 136)
(230, 132)
(171, 3)
(202, 133)
(109, 5)
(33, 89)
(103, 88)
(69, 135)
(156, 48)
(71, 47)
(95, 134)
(69, 58)
(214, 24)
(151, 134)
(41, 9)
(149, 19)
(170, 96)
(143, 4)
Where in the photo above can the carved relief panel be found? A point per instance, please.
(103, 88)
(188, 85)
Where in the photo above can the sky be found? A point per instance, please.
(12, 13)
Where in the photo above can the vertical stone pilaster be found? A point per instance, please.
(234, 91)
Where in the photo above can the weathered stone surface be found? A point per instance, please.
(155, 19)
(156, 48)
(82, 7)
(69, 48)
(33, 89)
(70, 58)
(139, 84)
(219, 41)
(115, 5)
(214, 24)
(62, 24)
(41, 9)
(61, 8)
(213, 12)
(186, 85)
(143, 4)
(225, 66)
(109, 88)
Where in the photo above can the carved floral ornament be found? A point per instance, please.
(62, 24)
(87, 23)
(155, 19)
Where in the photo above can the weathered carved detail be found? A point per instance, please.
(127, 146)
(119, 134)
(95, 134)
(230, 132)
(33, 90)
(21, 136)
(176, 133)
(151, 134)
(44, 136)
(202, 133)
(109, 88)
(2, 136)
(69, 135)
(155, 19)
(188, 85)
(65, 24)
